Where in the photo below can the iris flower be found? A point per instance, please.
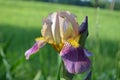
(61, 30)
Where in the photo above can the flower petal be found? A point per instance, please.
(84, 25)
(34, 48)
(66, 30)
(55, 27)
(46, 30)
(74, 59)
(72, 19)
(87, 53)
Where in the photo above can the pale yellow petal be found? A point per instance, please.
(46, 31)
(72, 20)
(55, 27)
(65, 29)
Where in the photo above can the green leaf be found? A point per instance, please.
(88, 77)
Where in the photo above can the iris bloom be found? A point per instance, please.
(61, 30)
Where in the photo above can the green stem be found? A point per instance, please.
(59, 70)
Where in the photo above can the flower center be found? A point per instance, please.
(73, 42)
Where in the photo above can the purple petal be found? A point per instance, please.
(34, 48)
(87, 53)
(74, 59)
(84, 25)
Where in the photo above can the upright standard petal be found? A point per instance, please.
(72, 19)
(84, 26)
(46, 30)
(66, 30)
(55, 27)
(34, 48)
(74, 59)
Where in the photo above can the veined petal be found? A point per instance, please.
(57, 30)
(55, 27)
(46, 30)
(66, 30)
(72, 19)
(34, 48)
(74, 59)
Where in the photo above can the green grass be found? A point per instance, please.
(20, 24)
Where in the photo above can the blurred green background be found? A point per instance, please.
(20, 24)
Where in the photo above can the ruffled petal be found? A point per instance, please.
(74, 59)
(34, 48)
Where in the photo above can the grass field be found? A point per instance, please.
(20, 24)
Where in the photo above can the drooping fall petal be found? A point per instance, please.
(74, 59)
(34, 48)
